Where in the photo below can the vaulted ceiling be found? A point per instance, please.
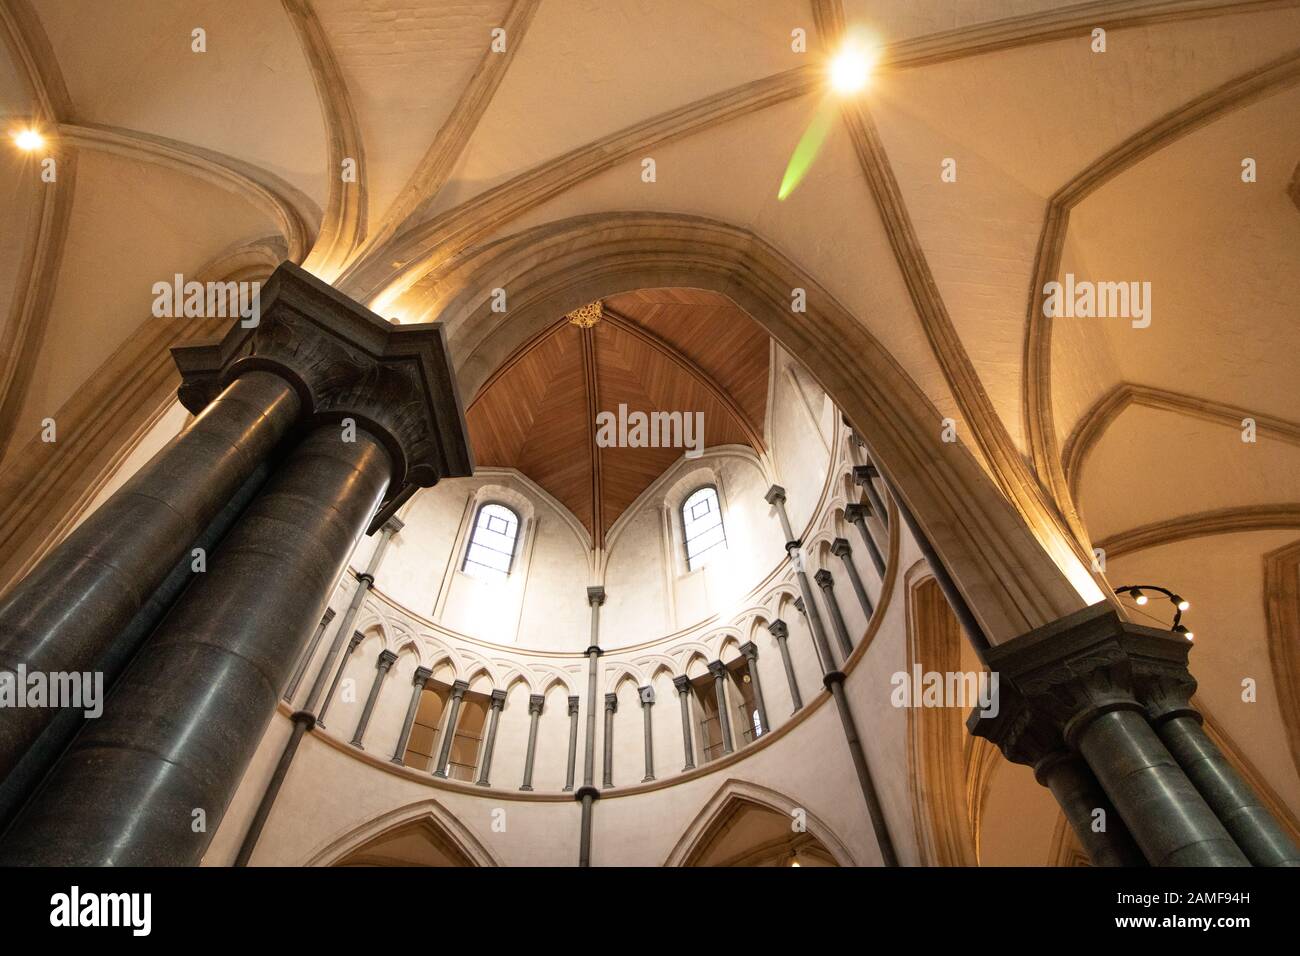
(669, 350)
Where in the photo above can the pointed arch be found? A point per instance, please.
(431, 817)
(734, 795)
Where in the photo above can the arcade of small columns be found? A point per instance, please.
(1097, 706)
(712, 692)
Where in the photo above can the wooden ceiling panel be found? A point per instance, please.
(678, 350)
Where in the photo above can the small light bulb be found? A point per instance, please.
(28, 140)
(1189, 635)
(1184, 605)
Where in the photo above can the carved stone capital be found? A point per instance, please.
(356, 638)
(573, 705)
(840, 547)
(1163, 683)
(824, 579)
(596, 596)
(798, 605)
(1072, 670)
(1023, 736)
(386, 659)
(647, 695)
(535, 702)
(498, 699)
(862, 474)
(421, 675)
(718, 670)
(458, 689)
(857, 513)
(611, 703)
(683, 684)
(779, 629)
(750, 650)
(774, 494)
(395, 381)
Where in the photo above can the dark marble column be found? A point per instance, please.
(1165, 686)
(588, 792)
(647, 694)
(840, 548)
(573, 744)
(494, 718)
(826, 581)
(382, 666)
(611, 708)
(864, 477)
(683, 685)
(1027, 739)
(353, 643)
(149, 782)
(1077, 674)
(535, 703)
(365, 581)
(834, 682)
(185, 719)
(750, 650)
(308, 654)
(857, 516)
(418, 680)
(65, 615)
(719, 672)
(782, 633)
(449, 733)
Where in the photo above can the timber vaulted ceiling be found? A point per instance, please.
(670, 350)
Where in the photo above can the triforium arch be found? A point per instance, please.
(999, 565)
(709, 824)
(435, 823)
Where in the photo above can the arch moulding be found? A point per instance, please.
(998, 562)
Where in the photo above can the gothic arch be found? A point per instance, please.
(997, 561)
(439, 822)
(731, 796)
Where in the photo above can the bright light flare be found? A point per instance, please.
(28, 140)
(850, 69)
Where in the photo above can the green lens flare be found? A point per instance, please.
(810, 145)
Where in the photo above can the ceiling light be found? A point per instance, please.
(850, 69)
(1180, 629)
(1137, 596)
(28, 139)
(1179, 602)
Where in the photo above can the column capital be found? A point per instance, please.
(421, 675)
(840, 547)
(535, 702)
(327, 616)
(596, 596)
(386, 659)
(458, 689)
(856, 513)
(798, 604)
(498, 699)
(864, 473)
(718, 670)
(824, 579)
(774, 494)
(395, 381)
(1072, 670)
(356, 638)
(750, 650)
(778, 629)
(646, 695)
(1163, 683)
(573, 705)
(611, 703)
(682, 683)
(1022, 736)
